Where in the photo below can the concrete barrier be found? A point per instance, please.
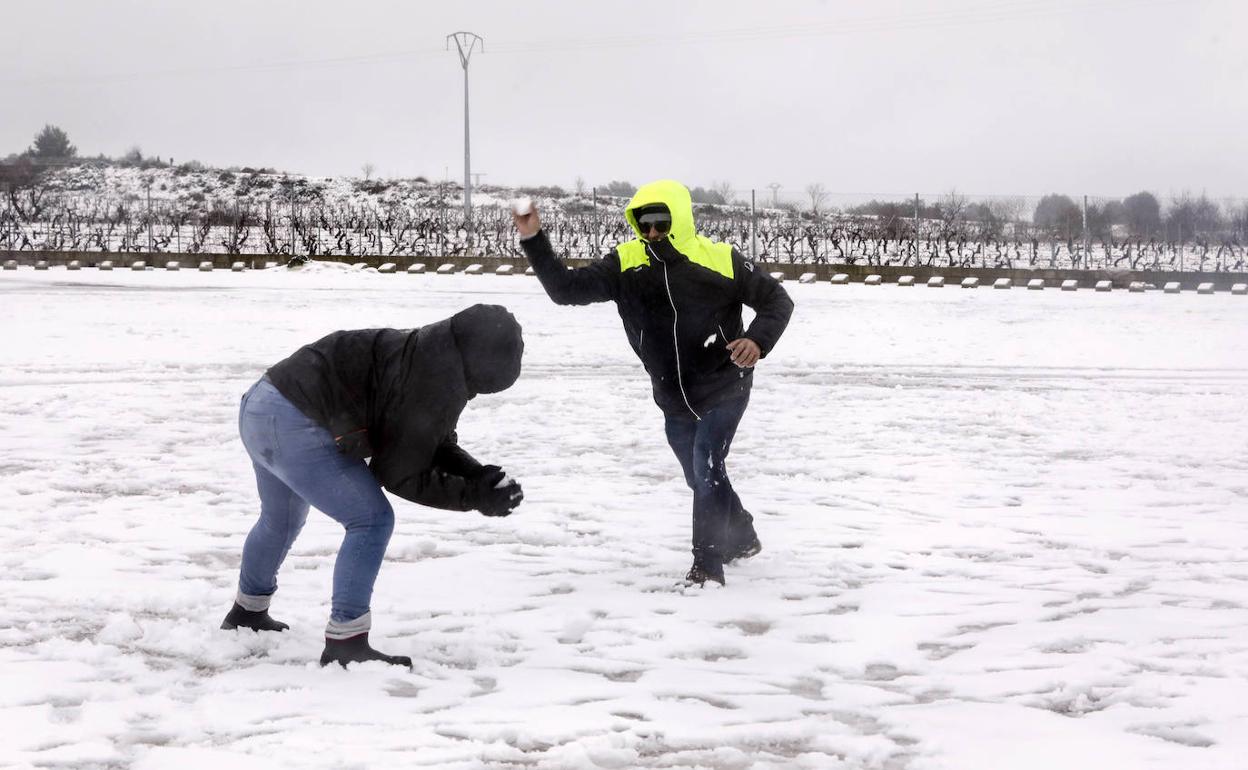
(873, 280)
(446, 269)
(206, 267)
(386, 267)
(1239, 289)
(73, 264)
(10, 264)
(105, 265)
(1070, 284)
(504, 270)
(970, 282)
(1104, 286)
(238, 267)
(936, 282)
(529, 270)
(474, 269)
(1204, 288)
(138, 265)
(270, 265)
(778, 276)
(1172, 287)
(173, 265)
(806, 278)
(1137, 287)
(905, 280)
(41, 265)
(416, 269)
(360, 266)
(1003, 283)
(840, 279)
(1035, 284)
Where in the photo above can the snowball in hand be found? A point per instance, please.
(522, 206)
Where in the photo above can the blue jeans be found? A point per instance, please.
(719, 520)
(297, 465)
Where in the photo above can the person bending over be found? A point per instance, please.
(395, 396)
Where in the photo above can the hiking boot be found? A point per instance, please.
(355, 649)
(744, 550)
(705, 570)
(256, 621)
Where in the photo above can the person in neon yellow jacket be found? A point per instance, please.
(680, 295)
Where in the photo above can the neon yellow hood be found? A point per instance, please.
(684, 236)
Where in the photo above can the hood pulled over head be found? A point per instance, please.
(490, 344)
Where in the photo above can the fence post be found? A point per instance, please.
(597, 234)
(916, 229)
(753, 226)
(1087, 254)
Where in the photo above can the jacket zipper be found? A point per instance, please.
(680, 382)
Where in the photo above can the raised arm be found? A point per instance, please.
(597, 282)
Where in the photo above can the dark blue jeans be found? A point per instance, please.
(297, 464)
(719, 520)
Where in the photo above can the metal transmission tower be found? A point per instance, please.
(466, 43)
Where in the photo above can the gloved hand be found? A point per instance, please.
(355, 444)
(494, 494)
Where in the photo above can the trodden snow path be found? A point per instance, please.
(1001, 530)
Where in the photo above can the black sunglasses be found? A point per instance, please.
(660, 222)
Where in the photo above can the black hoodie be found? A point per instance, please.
(404, 389)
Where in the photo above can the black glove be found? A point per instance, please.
(355, 444)
(492, 499)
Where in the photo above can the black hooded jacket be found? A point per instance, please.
(679, 315)
(397, 395)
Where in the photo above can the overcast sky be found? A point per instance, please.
(1007, 97)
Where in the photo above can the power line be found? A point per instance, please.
(995, 12)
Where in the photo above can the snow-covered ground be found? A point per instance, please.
(1002, 530)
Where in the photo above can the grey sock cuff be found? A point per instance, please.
(349, 628)
(253, 603)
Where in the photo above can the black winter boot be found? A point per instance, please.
(256, 621)
(743, 549)
(705, 569)
(355, 649)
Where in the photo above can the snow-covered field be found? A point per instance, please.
(1001, 530)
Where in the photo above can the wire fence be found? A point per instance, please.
(814, 227)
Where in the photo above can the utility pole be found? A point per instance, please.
(466, 43)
